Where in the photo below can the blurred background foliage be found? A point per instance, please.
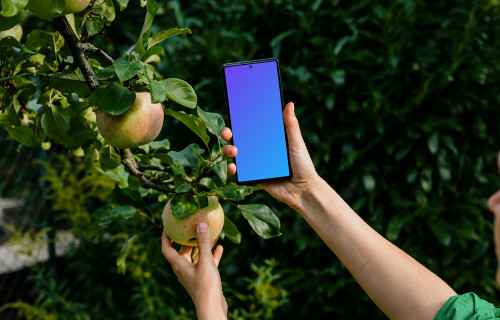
(397, 102)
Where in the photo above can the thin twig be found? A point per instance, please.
(88, 47)
(144, 167)
(130, 163)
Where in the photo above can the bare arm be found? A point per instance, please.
(400, 286)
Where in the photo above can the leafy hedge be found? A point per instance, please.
(397, 102)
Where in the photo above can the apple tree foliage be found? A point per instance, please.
(52, 82)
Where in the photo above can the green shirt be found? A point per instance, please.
(468, 306)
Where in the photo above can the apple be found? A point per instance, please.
(139, 125)
(183, 230)
(41, 8)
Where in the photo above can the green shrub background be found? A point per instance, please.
(398, 103)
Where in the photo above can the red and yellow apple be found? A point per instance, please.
(183, 230)
(41, 8)
(139, 125)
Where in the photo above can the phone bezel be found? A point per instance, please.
(250, 62)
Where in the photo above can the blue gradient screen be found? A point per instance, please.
(255, 110)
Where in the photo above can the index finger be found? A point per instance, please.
(167, 249)
(226, 134)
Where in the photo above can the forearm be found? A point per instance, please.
(211, 306)
(400, 286)
(211, 312)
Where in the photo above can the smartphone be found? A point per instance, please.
(255, 110)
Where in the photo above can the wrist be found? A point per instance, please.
(212, 307)
(310, 195)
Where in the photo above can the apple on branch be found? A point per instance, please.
(139, 125)
(183, 230)
(42, 8)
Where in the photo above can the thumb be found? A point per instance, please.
(292, 126)
(203, 239)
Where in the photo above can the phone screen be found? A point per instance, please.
(255, 107)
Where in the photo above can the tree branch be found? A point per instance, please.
(62, 25)
(78, 50)
(144, 167)
(130, 163)
(88, 47)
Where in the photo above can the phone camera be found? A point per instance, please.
(250, 67)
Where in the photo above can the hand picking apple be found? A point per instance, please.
(183, 230)
(200, 277)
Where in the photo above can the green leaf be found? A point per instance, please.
(11, 8)
(79, 134)
(57, 6)
(41, 39)
(126, 69)
(22, 135)
(432, 143)
(13, 115)
(231, 231)
(70, 81)
(106, 10)
(94, 25)
(181, 185)
(37, 59)
(262, 220)
(208, 183)
(119, 175)
(152, 54)
(156, 145)
(15, 31)
(192, 122)
(38, 134)
(11, 42)
(221, 171)
(202, 200)
(201, 161)
(152, 7)
(109, 158)
(234, 192)
(55, 121)
(158, 91)
(114, 98)
(57, 42)
(90, 156)
(122, 3)
(106, 73)
(214, 121)
(163, 35)
(106, 212)
(183, 204)
(121, 261)
(181, 92)
(186, 157)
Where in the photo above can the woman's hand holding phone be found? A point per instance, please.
(304, 174)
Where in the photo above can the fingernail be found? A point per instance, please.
(202, 227)
(292, 107)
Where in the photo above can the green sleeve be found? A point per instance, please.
(468, 307)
